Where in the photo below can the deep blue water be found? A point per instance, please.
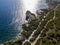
(11, 18)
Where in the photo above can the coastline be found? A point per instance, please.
(21, 38)
(1, 44)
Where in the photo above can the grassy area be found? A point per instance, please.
(27, 43)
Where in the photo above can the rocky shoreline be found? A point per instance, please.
(38, 30)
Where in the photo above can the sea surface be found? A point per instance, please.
(12, 16)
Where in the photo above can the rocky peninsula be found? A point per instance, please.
(43, 29)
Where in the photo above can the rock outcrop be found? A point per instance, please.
(30, 16)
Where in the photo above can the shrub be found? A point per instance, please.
(27, 43)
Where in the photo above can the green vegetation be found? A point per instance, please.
(49, 30)
(27, 43)
(8, 43)
(32, 25)
(26, 33)
(38, 42)
(15, 42)
(28, 30)
(32, 39)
